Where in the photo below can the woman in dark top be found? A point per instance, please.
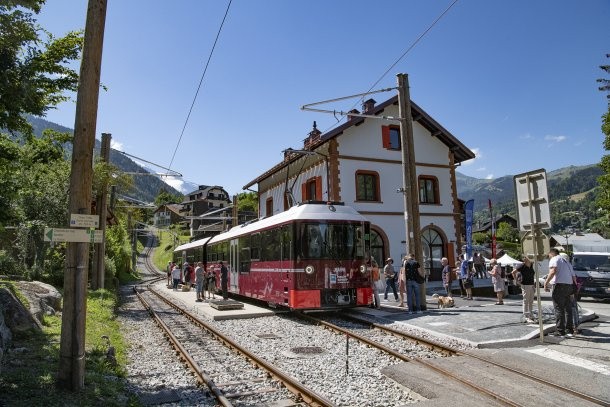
(523, 275)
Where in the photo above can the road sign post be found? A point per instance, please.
(534, 215)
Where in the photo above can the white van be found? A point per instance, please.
(594, 268)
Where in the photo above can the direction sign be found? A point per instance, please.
(73, 235)
(84, 221)
(532, 200)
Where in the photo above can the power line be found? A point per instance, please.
(199, 86)
(400, 58)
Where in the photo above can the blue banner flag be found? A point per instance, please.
(469, 212)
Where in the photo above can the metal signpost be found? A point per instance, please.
(534, 215)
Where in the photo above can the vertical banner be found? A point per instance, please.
(493, 230)
(469, 212)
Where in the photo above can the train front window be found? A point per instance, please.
(331, 241)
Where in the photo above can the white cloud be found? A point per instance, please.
(555, 139)
(115, 145)
(477, 155)
(489, 176)
(525, 136)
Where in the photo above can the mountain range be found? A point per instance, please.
(561, 184)
(146, 187)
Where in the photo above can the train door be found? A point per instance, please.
(234, 265)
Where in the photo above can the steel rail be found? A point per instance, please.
(302, 392)
(202, 377)
(456, 352)
(405, 358)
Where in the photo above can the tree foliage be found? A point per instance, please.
(247, 201)
(603, 198)
(166, 197)
(35, 70)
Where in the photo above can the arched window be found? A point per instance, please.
(433, 246)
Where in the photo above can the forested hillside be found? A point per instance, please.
(571, 194)
(146, 187)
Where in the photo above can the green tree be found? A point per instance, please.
(247, 201)
(603, 199)
(165, 197)
(507, 233)
(35, 68)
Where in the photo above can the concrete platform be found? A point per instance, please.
(479, 322)
(213, 308)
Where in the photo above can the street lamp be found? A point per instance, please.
(288, 151)
(567, 235)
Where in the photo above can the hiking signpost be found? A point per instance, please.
(534, 215)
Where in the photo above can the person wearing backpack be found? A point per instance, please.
(390, 282)
(413, 275)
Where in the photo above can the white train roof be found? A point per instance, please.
(194, 243)
(308, 211)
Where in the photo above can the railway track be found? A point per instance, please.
(376, 335)
(232, 374)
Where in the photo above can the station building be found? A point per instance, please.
(360, 164)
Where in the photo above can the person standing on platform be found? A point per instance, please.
(390, 282)
(199, 281)
(466, 278)
(412, 270)
(497, 279)
(561, 276)
(524, 275)
(224, 280)
(479, 266)
(176, 276)
(375, 277)
(170, 267)
(447, 276)
(211, 284)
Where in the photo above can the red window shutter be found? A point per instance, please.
(319, 188)
(304, 196)
(385, 136)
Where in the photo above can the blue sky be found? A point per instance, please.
(513, 80)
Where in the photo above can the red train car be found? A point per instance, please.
(312, 256)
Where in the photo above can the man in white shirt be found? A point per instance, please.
(561, 276)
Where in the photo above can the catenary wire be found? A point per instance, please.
(199, 86)
(399, 59)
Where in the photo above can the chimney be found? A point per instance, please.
(313, 137)
(368, 106)
(349, 116)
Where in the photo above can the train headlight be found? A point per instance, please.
(309, 269)
(362, 268)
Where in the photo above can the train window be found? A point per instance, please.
(270, 245)
(244, 254)
(286, 241)
(255, 244)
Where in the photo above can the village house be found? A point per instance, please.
(360, 164)
(207, 210)
(167, 215)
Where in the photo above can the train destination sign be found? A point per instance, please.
(73, 235)
(84, 221)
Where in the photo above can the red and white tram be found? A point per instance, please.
(312, 256)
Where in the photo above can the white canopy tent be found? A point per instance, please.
(506, 260)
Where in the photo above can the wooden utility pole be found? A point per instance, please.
(71, 375)
(410, 187)
(99, 273)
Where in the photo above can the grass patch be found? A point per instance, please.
(29, 371)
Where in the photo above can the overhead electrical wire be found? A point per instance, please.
(399, 58)
(199, 86)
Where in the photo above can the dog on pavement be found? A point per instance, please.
(444, 302)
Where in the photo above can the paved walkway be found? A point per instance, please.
(479, 322)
